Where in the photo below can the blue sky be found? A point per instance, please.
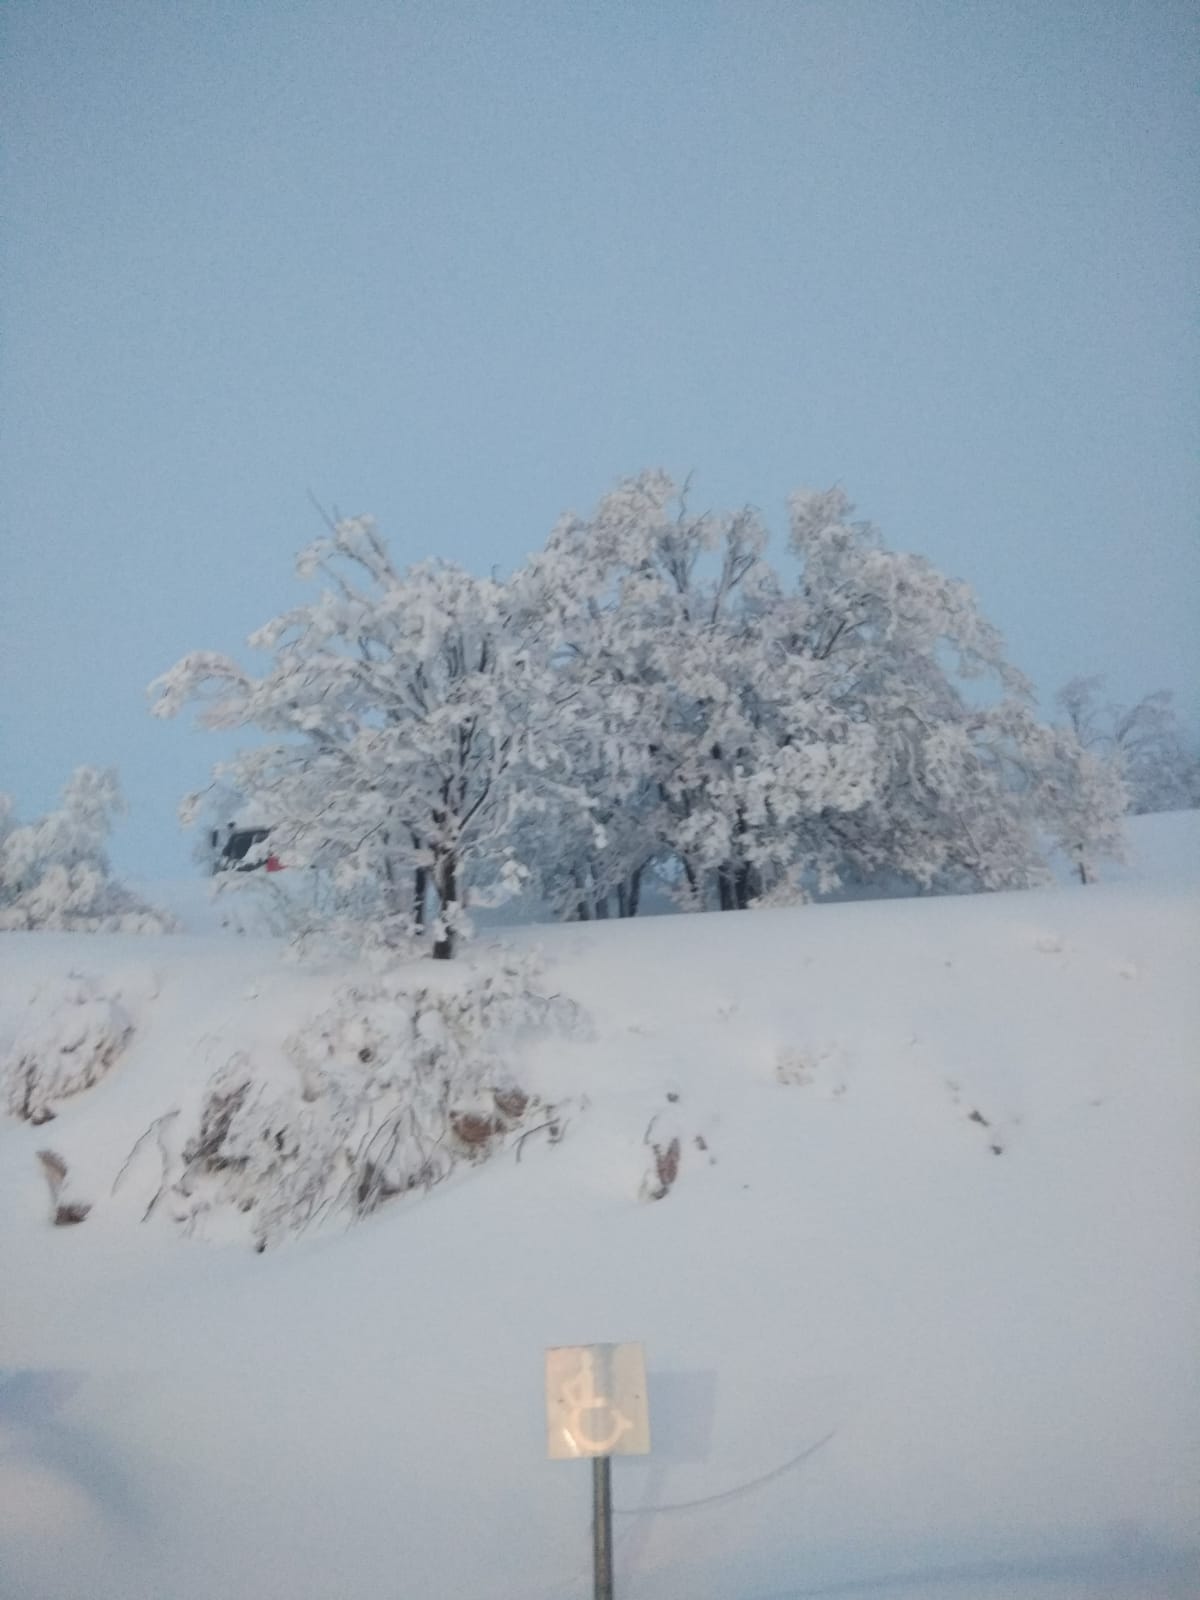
(464, 265)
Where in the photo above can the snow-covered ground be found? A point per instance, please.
(920, 1310)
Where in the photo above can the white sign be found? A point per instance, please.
(596, 1401)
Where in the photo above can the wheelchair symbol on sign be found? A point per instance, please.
(582, 1399)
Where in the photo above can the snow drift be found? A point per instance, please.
(919, 1297)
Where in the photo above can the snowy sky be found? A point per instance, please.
(462, 265)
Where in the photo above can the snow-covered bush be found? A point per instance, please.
(74, 1033)
(384, 1093)
(54, 872)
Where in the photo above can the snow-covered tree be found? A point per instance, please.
(646, 695)
(703, 745)
(1085, 799)
(403, 705)
(747, 737)
(55, 873)
(962, 767)
(615, 590)
(1144, 740)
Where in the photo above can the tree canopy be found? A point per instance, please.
(648, 696)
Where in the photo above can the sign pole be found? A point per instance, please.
(602, 1563)
(596, 1408)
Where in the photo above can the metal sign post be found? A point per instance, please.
(602, 1586)
(596, 1406)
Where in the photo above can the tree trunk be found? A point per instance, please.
(420, 905)
(629, 893)
(725, 894)
(744, 887)
(634, 897)
(740, 874)
(689, 873)
(446, 883)
(583, 911)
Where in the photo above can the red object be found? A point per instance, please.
(274, 864)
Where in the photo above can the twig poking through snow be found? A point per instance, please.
(556, 1128)
(156, 1128)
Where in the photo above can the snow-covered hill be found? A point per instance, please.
(919, 1309)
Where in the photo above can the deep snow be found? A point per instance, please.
(980, 1366)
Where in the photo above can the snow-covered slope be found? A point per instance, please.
(919, 1311)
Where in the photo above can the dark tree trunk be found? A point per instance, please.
(446, 883)
(725, 887)
(689, 873)
(629, 893)
(743, 887)
(420, 904)
(634, 896)
(741, 873)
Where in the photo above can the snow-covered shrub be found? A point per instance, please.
(383, 1093)
(54, 872)
(74, 1033)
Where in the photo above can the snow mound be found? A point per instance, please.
(900, 1197)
